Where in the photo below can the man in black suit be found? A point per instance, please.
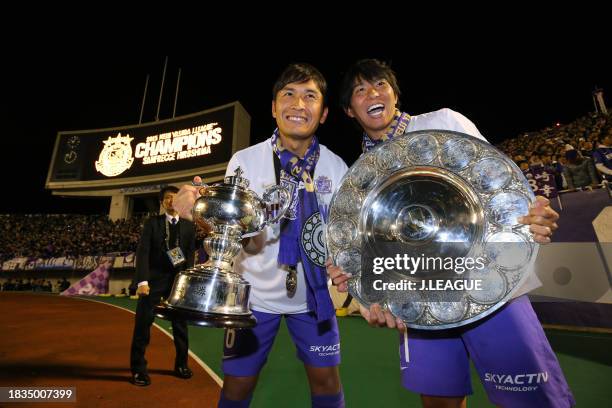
(155, 275)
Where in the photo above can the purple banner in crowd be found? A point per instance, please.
(14, 264)
(63, 263)
(129, 260)
(542, 181)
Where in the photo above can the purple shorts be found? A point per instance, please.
(509, 350)
(245, 351)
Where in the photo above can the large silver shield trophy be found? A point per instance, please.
(410, 209)
(212, 294)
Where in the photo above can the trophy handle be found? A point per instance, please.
(285, 197)
(200, 221)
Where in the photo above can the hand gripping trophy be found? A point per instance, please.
(211, 294)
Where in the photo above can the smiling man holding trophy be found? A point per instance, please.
(285, 263)
(431, 186)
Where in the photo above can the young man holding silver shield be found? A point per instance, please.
(509, 345)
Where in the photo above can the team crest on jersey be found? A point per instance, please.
(323, 185)
(116, 157)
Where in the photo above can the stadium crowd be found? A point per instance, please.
(571, 156)
(66, 235)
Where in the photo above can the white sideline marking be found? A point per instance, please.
(202, 364)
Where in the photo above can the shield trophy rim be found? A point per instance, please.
(484, 150)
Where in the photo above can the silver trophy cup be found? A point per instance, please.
(211, 294)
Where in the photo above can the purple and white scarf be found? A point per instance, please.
(397, 128)
(304, 204)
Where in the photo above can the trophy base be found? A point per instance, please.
(203, 319)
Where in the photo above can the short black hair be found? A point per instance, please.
(299, 73)
(369, 70)
(166, 189)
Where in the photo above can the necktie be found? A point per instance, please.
(172, 236)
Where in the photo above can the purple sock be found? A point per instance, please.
(225, 403)
(328, 401)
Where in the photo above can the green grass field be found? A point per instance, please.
(370, 366)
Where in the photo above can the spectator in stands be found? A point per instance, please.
(133, 288)
(10, 285)
(27, 285)
(602, 155)
(557, 167)
(579, 171)
(63, 284)
(586, 148)
(36, 285)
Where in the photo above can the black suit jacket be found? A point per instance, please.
(152, 262)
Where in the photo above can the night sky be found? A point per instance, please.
(503, 88)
